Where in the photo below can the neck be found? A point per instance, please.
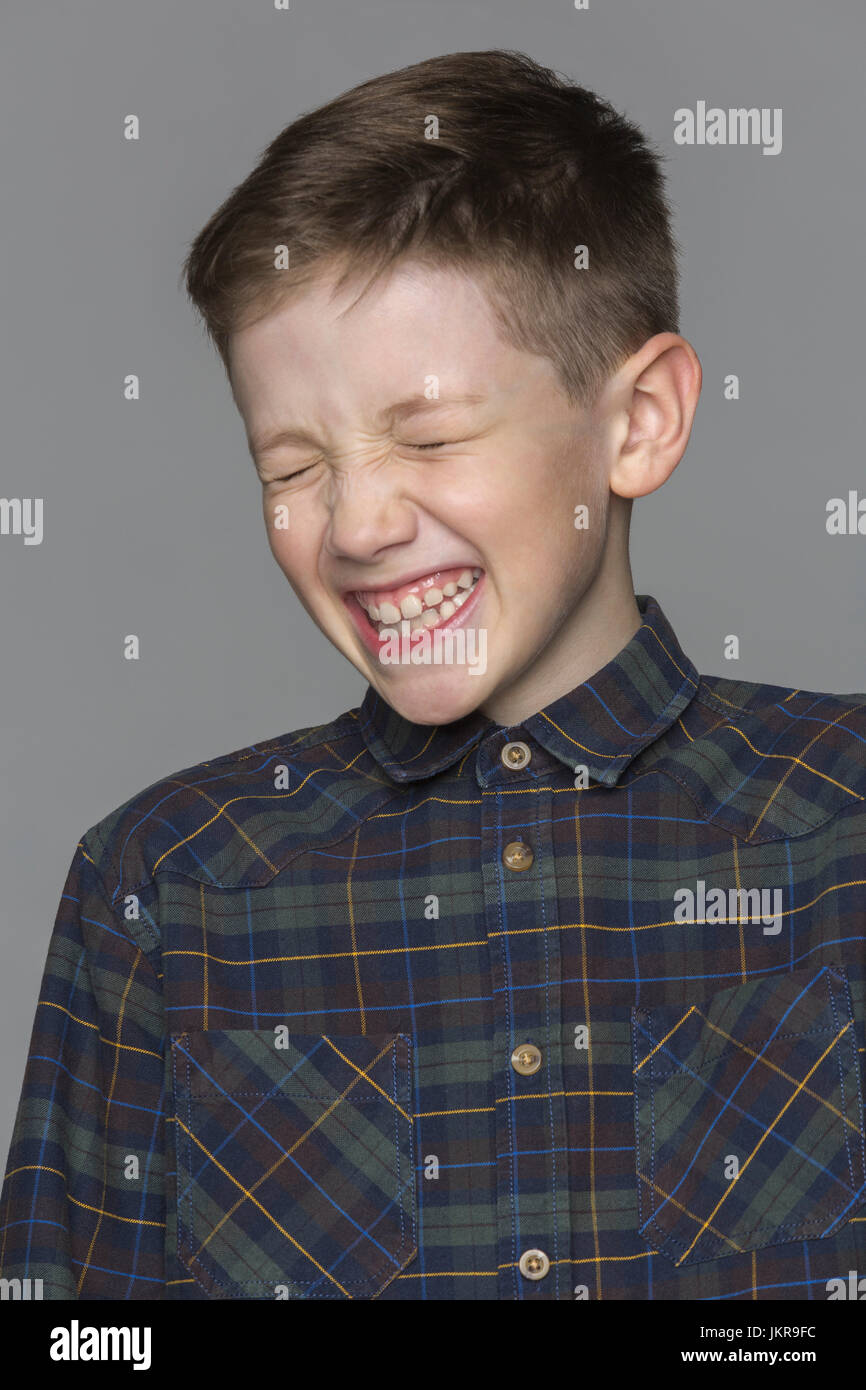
(604, 621)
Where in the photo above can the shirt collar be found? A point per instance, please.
(601, 724)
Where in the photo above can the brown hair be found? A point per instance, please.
(526, 166)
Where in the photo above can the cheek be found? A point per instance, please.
(291, 541)
(547, 558)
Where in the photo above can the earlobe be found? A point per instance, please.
(643, 468)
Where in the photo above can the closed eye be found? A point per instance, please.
(437, 444)
(289, 476)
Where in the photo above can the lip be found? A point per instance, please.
(406, 579)
(369, 635)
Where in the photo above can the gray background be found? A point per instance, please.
(152, 520)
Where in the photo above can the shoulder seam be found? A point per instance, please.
(156, 943)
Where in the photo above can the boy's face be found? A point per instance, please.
(356, 504)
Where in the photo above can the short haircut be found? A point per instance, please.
(525, 166)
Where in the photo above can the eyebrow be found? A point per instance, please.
(400, 410)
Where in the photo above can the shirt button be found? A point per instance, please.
(526, 1059)
(516, 755)
(533, 1264)
(517, 856)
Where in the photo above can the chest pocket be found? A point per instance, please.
(295, 1162)
(748, 1117)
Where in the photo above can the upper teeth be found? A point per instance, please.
(437, 604)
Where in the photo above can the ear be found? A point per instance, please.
(655, 394)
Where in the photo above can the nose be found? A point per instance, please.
(369, 512)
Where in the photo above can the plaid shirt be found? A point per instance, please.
(382, 1010)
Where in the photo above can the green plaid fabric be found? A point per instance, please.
(768, 1071)
(322, 1162)
(374, 1010)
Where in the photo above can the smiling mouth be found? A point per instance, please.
(425, 603)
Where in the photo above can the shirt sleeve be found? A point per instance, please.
(82, 1207)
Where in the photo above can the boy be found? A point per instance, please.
(540, 974)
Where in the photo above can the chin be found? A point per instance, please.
(426, 699)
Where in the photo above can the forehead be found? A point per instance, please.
(409, 295)
(327, 352)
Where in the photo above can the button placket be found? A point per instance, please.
(532, 1173)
